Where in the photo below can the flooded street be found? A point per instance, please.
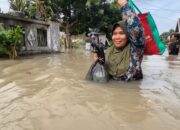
(48, 92)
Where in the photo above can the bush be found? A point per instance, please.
(78, 43)
(10, 41)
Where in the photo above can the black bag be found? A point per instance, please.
(97, 71)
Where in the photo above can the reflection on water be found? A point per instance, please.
(48, 92)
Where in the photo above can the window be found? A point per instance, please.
(42, 37)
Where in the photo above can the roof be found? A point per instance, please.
(6, 16)
(178, 26)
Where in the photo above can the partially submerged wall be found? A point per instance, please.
(39, 36)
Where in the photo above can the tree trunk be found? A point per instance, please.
(65, 44)
(68, 36)
(13, 53)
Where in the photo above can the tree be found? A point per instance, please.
(75, 16)
(35, 9)
(79, 15)
(69, 14)
(17, 5)
(164, 36)
(104, 15)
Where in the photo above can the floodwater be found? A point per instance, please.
(48, 92)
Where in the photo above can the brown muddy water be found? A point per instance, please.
(48, 92)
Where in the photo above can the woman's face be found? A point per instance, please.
(119, 38)
(173, 38)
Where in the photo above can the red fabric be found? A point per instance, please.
(150, 44)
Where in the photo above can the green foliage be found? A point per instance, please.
(10, 40)
(35, 9)
(31, 10)
(89, 3)
(6, 41)
(103, 15)
(80, 16)
(78, 43)
(24, 8)
(75, 16)
(17, 5)
(17, 36)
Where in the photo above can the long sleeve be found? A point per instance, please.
(133, 25)
(135, 35)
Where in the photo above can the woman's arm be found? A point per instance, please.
(136, 37)
(133, 25)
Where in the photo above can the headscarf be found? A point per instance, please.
(118, 59)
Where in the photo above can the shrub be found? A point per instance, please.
(78, 43)
(10, 41)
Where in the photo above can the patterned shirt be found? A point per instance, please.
(136, 37)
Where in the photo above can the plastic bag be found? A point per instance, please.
(97, 71)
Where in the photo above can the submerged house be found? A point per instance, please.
(39, 36)
(177, 30)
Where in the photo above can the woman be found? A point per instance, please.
(123, 59)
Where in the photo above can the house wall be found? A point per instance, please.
(53, 37)
(39, 36)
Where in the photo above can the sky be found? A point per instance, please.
(4, 5)
(164, 12)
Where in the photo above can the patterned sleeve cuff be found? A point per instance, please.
(123, 8)
(127, 12)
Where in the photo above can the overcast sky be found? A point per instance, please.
(4, 5)
(165, 12)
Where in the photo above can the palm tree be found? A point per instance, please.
(17, 5)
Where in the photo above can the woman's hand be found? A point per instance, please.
(95, 57)
(122, 2)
